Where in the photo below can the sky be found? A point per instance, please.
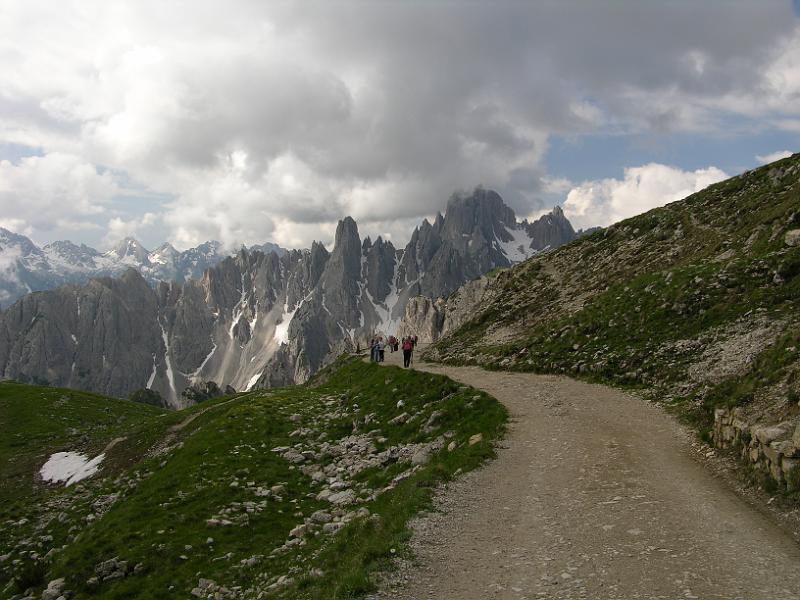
(253, 121)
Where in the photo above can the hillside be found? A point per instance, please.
(695, 303)
(292, 493)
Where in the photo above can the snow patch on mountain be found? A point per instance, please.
(518, 248)
(282, 328)
(168, 364)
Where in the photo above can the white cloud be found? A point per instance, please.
(119, 228)
(607, 201)
(773, 156)
(43, 192)
(283, 117)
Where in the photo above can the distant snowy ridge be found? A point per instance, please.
(25, 268)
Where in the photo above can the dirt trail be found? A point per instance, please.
(594, 495)
(164, 444)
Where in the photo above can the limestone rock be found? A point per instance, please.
(54, 589)
(792, 237)
(476, 439)
(342, 498)
(421, 457)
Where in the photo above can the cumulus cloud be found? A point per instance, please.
(41, 193)
(607, 201)
(280, 118)
(772, 156)
(119, 228)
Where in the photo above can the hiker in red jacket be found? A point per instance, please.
(408, 348)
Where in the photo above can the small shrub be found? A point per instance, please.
(147, 396)
(793, 480)
(33, 574)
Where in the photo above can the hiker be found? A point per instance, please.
(373, 350)
(381, 349)
(414, 341)
(408, 349)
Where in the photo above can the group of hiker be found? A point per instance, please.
(377, 348)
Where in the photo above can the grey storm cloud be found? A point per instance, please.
(256, 116)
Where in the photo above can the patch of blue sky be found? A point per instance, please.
(14, 153)
(598, 156)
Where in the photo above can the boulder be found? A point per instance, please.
(430, 424)
(321, 516)
(421, 457)
(400, 419)
(54, 589)
(332, 527)
(792, 237)
(342, 498)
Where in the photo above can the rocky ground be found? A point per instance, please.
(595, 494)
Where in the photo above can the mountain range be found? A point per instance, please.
(25, 267)
(257, 319)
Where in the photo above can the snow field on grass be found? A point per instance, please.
(70, 467)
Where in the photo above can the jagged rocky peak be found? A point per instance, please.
(341, 279)
(131, 249)
(21, 243)
(269, 247)
(165, 253)
(379, 264)
(347, 248)
(482, 213)
(550, 230)
(72, 254)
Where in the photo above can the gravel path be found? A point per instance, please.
(594, 495)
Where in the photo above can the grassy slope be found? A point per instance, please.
(37, 421)
(154, 512)
(639, 303)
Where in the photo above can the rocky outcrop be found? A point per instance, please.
(205, 390)
(431, 319)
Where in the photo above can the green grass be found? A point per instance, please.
(158, 519)
(37, 422)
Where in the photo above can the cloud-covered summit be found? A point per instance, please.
(246, 121)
